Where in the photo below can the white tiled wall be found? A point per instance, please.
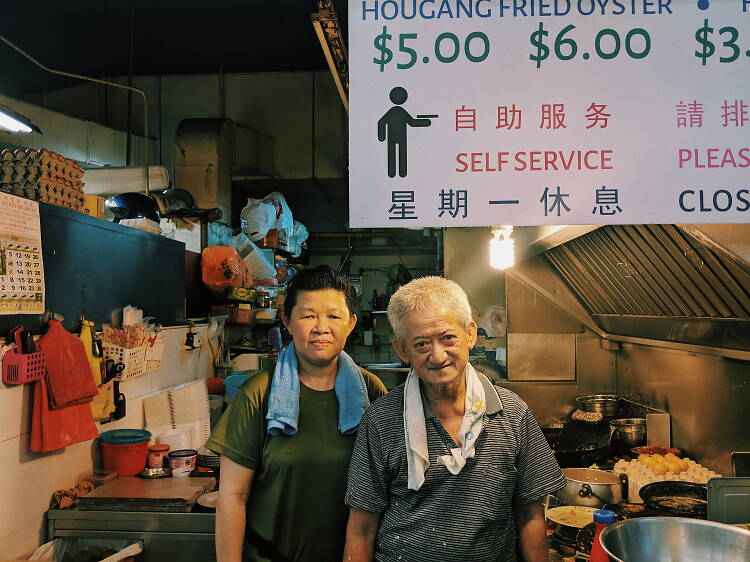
(29, 479)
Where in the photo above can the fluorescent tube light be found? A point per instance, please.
(15, 122)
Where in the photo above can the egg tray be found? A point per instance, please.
(42, 175)
(639, 475)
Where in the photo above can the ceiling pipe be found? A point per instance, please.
(97, 81)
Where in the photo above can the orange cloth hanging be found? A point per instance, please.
(69, 378)
(56, 429)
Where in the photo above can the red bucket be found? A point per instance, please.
(126, 460)
(125, 450)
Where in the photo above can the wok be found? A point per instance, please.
(583, 455)
(582, 443)
(676, 497)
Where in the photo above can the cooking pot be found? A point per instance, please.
(627, 433)
(591, 488)
(605, 404)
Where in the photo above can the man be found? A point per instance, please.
(447, 466)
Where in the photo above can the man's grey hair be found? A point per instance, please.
(428, 294)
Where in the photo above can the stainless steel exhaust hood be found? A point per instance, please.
(659, 282)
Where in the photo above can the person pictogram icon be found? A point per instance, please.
(392, 128)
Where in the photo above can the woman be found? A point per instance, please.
(286, 441)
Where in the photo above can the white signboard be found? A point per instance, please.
(528, 112)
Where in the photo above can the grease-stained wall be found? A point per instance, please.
(707, 396)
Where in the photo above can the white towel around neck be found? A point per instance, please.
(415, 430)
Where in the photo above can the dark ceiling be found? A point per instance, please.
(93, 37)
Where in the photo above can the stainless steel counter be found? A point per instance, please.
(164, 535)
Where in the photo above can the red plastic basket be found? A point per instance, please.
(20, 368)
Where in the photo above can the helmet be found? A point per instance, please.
(132, 206)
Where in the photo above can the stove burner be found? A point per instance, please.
(563, 543)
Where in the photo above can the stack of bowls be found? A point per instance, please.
(190, 411)
(157, 413)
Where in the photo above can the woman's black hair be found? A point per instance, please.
(316, 279)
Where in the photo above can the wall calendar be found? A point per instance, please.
(21, 266)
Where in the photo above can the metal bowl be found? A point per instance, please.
(155, 472)
(605, 404)
(675, 539)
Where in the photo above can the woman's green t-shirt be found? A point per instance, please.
(297, 495)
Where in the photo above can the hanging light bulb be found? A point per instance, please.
(501, 247)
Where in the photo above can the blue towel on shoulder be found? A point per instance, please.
(283, 400)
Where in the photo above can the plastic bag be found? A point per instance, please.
(215, 338)
(102, 550)
(259, 265)
(243, 244)
(261, 215)
(222, 267)
(69, 378)
(142, 223)
(494, 321)
(293, 244)
(256, 262)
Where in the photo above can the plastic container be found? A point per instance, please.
(233, 383)
(182, 462)
(156, 455)
(133, 358)
(602, 518)
(125, 436)
(244, 314)
(262, 299)
(125, 450)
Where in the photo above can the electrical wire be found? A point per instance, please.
(98, 81)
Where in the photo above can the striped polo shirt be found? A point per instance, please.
(467, 516)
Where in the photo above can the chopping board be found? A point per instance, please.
(131, 493)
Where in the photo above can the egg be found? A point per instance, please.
(673, 466)
(659, 466)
